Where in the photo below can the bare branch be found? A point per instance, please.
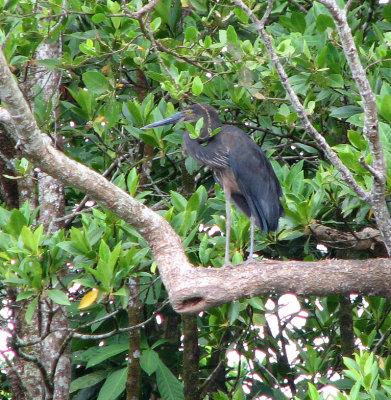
(376, 198)
(138, 14)
(371, 123)
(329, 152)
(366, 239)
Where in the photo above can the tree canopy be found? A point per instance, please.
(112, 237)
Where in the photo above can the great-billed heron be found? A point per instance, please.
(238, 165)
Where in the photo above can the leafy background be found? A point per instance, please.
(119, 74)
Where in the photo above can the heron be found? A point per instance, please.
(239, 166)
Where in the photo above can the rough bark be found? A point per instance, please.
(191, 357)
(48, 376)
(203, 288)
(346, 326)
(134, 313)
(51, 201)
(8, 187)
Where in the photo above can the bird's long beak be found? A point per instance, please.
(166, 121)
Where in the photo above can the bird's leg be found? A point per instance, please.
(227, 229)
(252, 228)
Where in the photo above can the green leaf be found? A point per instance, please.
(88, 48)
(26, 295)
(149, 361)
(357, 140)
(385, 107)
(346, 111)
(155, 24)
(28, 238)
(104, 251)
(313, 391)
(31, 310)
(98, 18)
(257, 303)
(58, 297)
(197, 200)
(335, 80)
(387, 12)
(87, 380)
(298, 21)
(231, 34)
(51, 64)
(207, 41)
(16, 223)
(105, 352)
(233, 311)
(323, 22)
(223, 36)
(197, 86)
(96, 82)
(191, 165)
(132, 181)
(70, 248)
(169, 386)
(114, 385)
(199, 125)
(353, 367)
(178, 201)
(5, 216)
(191, 33)
(80, 241)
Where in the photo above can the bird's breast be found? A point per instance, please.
(226, 179)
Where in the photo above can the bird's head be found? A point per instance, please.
(189, 114)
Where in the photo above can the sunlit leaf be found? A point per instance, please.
(88, 299)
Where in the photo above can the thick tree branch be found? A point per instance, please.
(204, 288)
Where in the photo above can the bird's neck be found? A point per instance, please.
(211, 123)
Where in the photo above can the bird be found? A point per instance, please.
(239, 166)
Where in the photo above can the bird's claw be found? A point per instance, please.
(249, 260)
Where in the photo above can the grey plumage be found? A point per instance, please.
(238, 165)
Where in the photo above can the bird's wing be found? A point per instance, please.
(256, 180)
(209, 152)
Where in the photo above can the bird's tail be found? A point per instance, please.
(266, 215)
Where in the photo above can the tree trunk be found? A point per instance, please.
(191, 357)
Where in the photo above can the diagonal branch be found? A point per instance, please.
(371, 123)
(296, 103)
(376, 198)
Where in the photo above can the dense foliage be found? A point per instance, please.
(118, 74)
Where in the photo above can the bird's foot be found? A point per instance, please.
(227, 264)
(249, 260)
